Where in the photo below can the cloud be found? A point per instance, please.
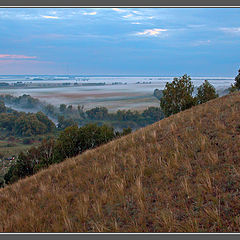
(196, 25)
(50, 17)
(13, 56)
(128, 16)
(118, 10)
(90, 13)
(21, 61)
(231, 30)
(135, 23)
(151, 32)
(202, 42)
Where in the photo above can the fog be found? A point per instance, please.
(31, 110)
(117, 93)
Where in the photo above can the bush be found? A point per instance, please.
(11, 145)
(236, 86)
(1, 182)
(28, 141)
(206, 92)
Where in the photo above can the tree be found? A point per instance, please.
(177, 96)
(46, 121)
(62, 108)
(158, 93)
(67, 144)
(81, 111)
(236, 86)
(92, 136)
(49, 109)
(1, 182)
(206, 92)
(3, 108)
(153, 114)
(97, 113)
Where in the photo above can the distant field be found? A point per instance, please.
(127, 95)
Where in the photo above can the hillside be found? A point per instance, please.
(181, 174)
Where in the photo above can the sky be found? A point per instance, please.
(120, 41)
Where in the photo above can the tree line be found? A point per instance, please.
(24, 124)
(67, 115)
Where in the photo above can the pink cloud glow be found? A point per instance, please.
(13, 61)
(13, 56)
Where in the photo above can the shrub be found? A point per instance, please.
(236, 86)
(206, 92)
(27, 141)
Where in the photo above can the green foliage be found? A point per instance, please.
(8, 177)
(153, 114)
(68, 115)
(1, 182)
(2, 107)
(23, 167)
(32, 161)
(92, 135)
(26, 124)
(98, 113)
(49, 109)
(236, 86)
(29, 125)
(158, 94)
(71, 142)
(7, 121)
(126, 131)
(206, 92)
(177, 96)
(67, 145)
(81, 113)
(62, 108)
(27, 141)
(64, 123)
(46, 121)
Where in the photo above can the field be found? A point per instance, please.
(134, 93)
(180, 174)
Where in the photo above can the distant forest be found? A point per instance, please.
(68, 115)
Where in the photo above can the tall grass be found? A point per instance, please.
(181, 174)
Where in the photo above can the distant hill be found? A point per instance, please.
(181, 174)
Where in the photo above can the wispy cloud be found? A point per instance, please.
(89, 13)
(231, 30)
(128, 16)
(196, 25)
(13, 56)
(135, 23)
(50, 17)
(201, 42)
(21, 61)
(152, 32)
(120, 10)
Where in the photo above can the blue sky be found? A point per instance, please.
(134, 41)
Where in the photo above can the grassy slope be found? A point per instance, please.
(180, 174)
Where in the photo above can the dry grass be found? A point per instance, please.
(181, 174)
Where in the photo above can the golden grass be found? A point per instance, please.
(181, 174)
